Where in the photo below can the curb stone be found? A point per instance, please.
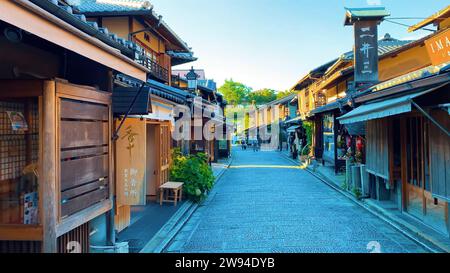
(169, 231)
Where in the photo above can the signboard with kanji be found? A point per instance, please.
(438, 48)
(130, 167)
(366, 52)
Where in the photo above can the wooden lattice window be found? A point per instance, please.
(19, 147)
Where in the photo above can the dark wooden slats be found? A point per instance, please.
(77, 110)
(84, 201)
(377, 158)
(84, 147)
(440, 156)
(91, 151)
(83, 133)
(20, 246)
(79, 235)
(81, 171)
(83, 189)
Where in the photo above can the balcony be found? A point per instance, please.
(159, 72)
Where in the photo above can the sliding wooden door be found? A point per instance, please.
(163, 138)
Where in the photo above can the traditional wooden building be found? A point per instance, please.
(213, 105)
(144, 142)
(159, 46)
(323, 98)
(261, 119)
(407, 129)
(56, 81)
(402, 121)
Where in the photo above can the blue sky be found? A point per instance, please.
(273, 43)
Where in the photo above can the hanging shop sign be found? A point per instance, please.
(131, 149)
(366, 52)
(438, 48)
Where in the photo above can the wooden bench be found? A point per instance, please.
(167, 188)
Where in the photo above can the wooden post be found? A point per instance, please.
(48, 168)
(404, 162)
(110, 80)
(335, 132)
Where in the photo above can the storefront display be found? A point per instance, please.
(18, 168)
(328, 137)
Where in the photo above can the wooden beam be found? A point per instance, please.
(20, 233)
(20, 88)
(84, 93)
(77, 219)
(48, 169)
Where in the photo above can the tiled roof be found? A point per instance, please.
(78, 20)
(210, 84)
(156, 88)
(110, 5)
(356, 14)
(181, 57)
(132, 7)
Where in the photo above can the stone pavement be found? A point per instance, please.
(265, 204)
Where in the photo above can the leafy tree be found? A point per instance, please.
(282, 94)
(262, 96)
(235, 92)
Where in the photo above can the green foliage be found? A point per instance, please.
(283, 94)
(194, 172)
(262, 96)
(238, 93)
(357, 192)
(306, 150)
(235, 92)
(309, 128)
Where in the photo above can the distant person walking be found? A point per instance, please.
(243, 145)
(255, 145)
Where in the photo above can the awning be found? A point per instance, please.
(292, 128)
(383, 108)
(296, 119)
(326, 108)
(123, 97)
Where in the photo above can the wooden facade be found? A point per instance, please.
(72, 149)
(143, 157)
(440, 156)
(66, 158)
(377, 148)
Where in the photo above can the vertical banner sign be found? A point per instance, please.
(131, 158)
(366, 52)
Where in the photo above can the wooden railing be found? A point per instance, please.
(156, 69)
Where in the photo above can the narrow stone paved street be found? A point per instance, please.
(264, 203)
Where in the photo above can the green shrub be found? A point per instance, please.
(194, 171)
(357, 192)
(308, 128)
(306, 151)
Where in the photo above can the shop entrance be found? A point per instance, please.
(418, 200)
(158, 157)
